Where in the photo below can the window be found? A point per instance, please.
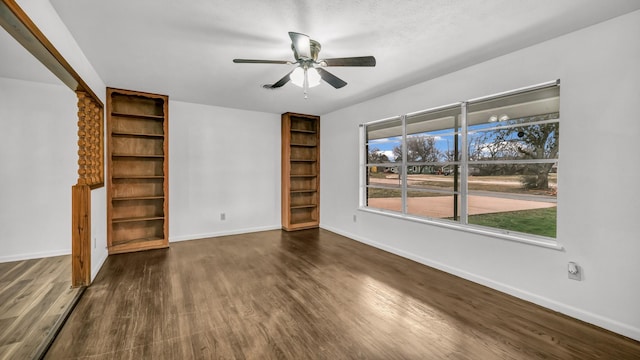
(488, 163)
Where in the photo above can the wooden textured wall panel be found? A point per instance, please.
(90, 141)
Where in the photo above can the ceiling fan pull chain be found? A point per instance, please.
(306, 84)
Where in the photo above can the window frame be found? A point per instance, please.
(462, 128)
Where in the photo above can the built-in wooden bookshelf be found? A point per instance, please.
(300, 171)
(138, 206)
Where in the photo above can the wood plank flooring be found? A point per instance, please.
(309, 295)
(35, 296)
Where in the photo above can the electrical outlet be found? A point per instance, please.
(95, 242)
(574, 271)
(223, 216)
(354, 218)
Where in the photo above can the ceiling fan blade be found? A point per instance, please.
(280, 82)
(333, 80)
(301, 44)
(350, 61)
(251, 61)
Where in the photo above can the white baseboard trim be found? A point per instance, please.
(223, 233)
(36, 255)
(595, 319)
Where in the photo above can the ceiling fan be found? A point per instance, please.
(310, 70)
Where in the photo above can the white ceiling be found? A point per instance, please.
(185, 48)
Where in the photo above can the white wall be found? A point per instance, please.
(37, 148)
(598, 181)
(42, 13)
(222, 160)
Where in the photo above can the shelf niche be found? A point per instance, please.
(138, 206)
(300, 171)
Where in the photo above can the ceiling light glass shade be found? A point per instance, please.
(504, 117)
(313, 77)
(298, 75)
(493, 118)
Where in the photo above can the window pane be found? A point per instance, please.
(433, 151)
(429, 180)
(525, 216)
(386, 176)
(384, 198)
(521, 142)
(515, 178)
(434, 136)
(433, 205)
(384, 150)
(384, 141)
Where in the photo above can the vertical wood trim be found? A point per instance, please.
(81, 235)
(165, 168)
(109, 169)
(286, 170)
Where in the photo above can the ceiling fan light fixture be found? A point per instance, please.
(310, 70)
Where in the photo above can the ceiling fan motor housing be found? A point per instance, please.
(314, 47)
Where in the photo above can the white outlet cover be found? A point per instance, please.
(574, 271)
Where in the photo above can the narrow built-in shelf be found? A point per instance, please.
(137, 192)
(300, 171)
(141, 116)
(135, 219)
(159, 156)
(138, 198)
(131, 134)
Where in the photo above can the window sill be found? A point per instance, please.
(521, 238)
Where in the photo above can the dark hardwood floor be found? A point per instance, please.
(35, 298)
(309, 295)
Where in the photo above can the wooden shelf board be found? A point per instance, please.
(122, 242)
(158, 156)
(138, 245)
(137, 177)
(303, 131)
(303, 206)
(303, 145)
(303, 175)
(132, 134)
(300, 226)
(302, 160)
(138, 198)
(142, 116)
(136, 219)
(303, 191)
